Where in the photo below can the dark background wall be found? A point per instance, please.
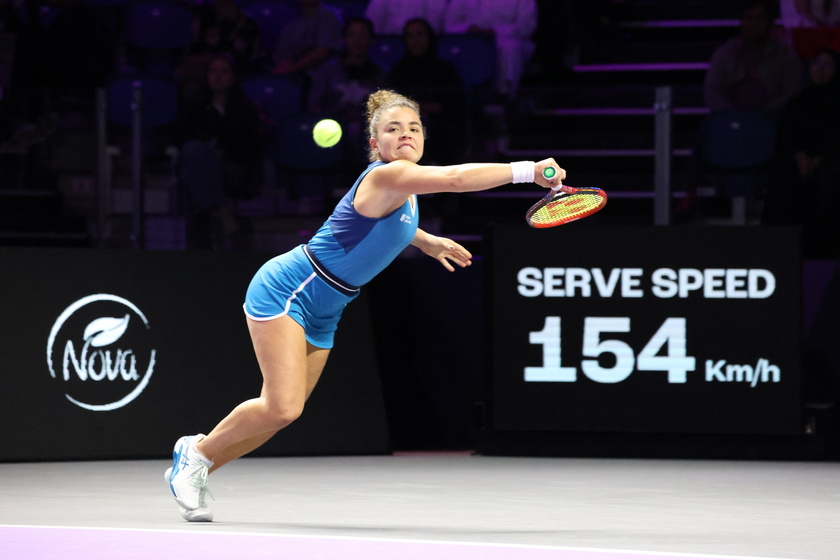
(409, 371)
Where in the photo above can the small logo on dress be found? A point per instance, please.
(405, 218)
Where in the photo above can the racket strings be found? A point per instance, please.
(564, 209)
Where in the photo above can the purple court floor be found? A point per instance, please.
(429, 507)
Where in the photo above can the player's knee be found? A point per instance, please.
(281, 415)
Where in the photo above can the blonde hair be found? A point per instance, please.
(380, 101)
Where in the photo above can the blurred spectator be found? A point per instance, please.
(351, 77)
(245, 49)
(223, 27)
(308, 42)
(811, 25)
(221, 153)
(348, 80)
(510, 22)
(754, 70)
(825, 13)
(218, 28)
(218, 24)
(793, 14)
(390, 16)
(435, 84)
(805, 187)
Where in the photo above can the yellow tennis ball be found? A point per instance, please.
(326, 133)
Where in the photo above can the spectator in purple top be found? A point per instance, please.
(308, 41)
(754, 70)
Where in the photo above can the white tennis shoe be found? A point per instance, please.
(188, 478)
(198, 514)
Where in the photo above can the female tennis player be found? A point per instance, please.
(295, 300)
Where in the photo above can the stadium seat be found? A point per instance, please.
(158, 24)
(387, 50)
(348, 8)
(474, 57)
(278, 96)
(735, 151)
(271, 16)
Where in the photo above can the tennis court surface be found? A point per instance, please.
(437, 506)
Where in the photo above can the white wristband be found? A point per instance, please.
(523, 171)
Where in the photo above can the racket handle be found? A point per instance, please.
(549, 172)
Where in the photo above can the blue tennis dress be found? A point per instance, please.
(313, 283)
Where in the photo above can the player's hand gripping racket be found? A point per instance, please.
(564, 204)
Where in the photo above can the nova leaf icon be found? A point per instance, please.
(106, 330)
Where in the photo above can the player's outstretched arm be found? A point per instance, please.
(406, 177)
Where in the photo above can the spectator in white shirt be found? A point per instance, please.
(510, 22)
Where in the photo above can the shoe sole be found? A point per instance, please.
(202, 515)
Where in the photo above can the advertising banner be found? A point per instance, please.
(116, 354)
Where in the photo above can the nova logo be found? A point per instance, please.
(763, 372)
(100, 349)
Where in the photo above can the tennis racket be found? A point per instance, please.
(564, 204)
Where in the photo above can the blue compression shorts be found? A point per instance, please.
(289, 285)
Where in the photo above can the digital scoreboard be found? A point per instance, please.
(645, 329)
